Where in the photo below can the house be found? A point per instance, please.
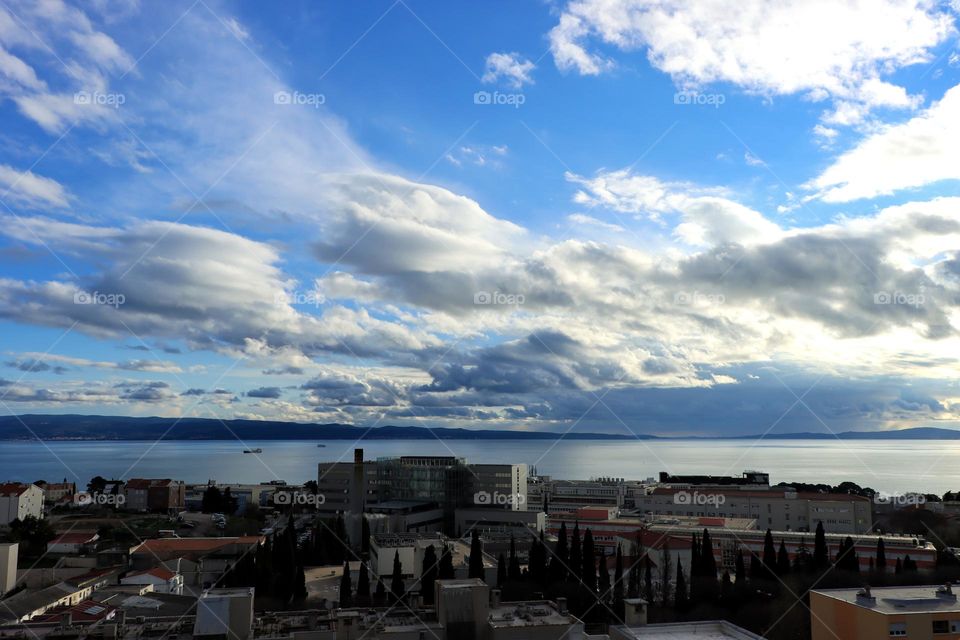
(18, 500)
(72, 543)
(201, 561)
(159, 495)
(57, 492)
(162, 579)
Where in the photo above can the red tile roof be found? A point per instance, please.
(165, 548)
(13, 488)
(159, 572)
(74, 538)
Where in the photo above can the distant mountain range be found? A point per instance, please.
(77, 427)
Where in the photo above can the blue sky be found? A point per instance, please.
(654, 216)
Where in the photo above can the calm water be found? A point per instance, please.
(930, 466)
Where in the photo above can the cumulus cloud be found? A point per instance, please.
(920, 151)
(27, 188)
(510, 69)
(763, 47)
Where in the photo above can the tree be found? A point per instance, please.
(576, 560)
(588, 572)
(618, 605)
(726, 589)
(680, 592)
(346, 588)
(445, 570)
(501, 571)
(428, 574)
(538, 561)
(363, 586)
(603, 583)
(396, 580)
(821, 557)
(708, 569)
(881, 562)
(380, 595)
(513, 566)
(212, 500)
(561, 556)
(300, 585)
(783, 559)
(97, 484)
(740, 574)
(364, 535)
(769, 554)
(898, 567)
(647, 580)
(475, 569)
(666, 563)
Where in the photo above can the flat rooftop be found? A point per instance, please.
(896, 600)
(706, 630)
(528, 614)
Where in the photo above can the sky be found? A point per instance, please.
(629, 216)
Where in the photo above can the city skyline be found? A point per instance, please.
(638, 217)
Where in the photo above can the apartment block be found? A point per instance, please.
(911, 613)
(18, 500)
(157, 495)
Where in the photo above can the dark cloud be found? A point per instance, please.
(265, 392)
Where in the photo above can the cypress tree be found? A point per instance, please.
(783, 559)
(740, 575)
(475, 569)
(633, 575)
(708, 568)
(561, 556)
(647, 580)
(380, 595)
(726, 589)
(501, 571)
(769, 554)
(588, 563)
(881, 562)
(680, 592)
(346, 596)
(300, 584)
(618, 584)
(428, 574)
(603, 582)
(576, 560)
(396, 580)
(898, 567)
(363, 586)
(756, 568)
(666, 564)
(513, 567)
(445, 570)
(821, 557)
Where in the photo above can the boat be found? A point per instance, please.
(321, 445)
(257, 450)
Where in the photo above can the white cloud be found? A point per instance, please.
(508, 68)
(817, 48)
(918, 152)
(30, 189)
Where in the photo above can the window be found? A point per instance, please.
(941, 626)
(955, 626)
(898, 628)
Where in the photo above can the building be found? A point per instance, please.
(728, 536)
(701, 630)
(558, 496)
(73, 543)
(225, 614)
(56, 492)
(161, 579)
(493, 520)
(201, 561)
(260, 495)
(779, 508)
(446, 481)
(27, 605)
(9, 555)
(156, 495)
(18, 500)
(914, 613)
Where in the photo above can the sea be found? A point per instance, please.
(891, 466)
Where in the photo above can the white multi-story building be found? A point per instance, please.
(18, 500)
